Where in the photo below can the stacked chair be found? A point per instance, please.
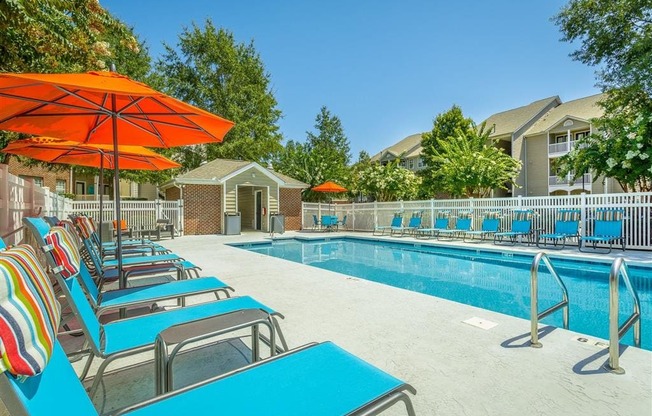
(320, 379)
(567, 224)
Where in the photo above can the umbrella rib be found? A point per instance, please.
(97, 122)
(185, 118)
(41, 103)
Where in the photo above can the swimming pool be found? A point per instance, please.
(497, 281)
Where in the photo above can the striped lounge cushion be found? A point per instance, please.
(568, 215)
(86, 226)
(609, 215)
(523, 215)
(442, 214)
(465, 215)
(492, 215)
(61, 244)
(29, 313)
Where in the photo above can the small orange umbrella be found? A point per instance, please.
(329, 186)
(103, 108)
(52, 150)
(102, 156)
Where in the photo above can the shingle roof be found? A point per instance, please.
(583, 108)
(411, 146)
(507, 122)
(219, 169)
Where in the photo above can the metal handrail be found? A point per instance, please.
(535, 316)
(618, 268)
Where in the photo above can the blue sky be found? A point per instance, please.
(385, 68)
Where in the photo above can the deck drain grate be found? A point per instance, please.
(480, 323)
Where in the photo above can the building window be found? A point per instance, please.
(581, 135)
(410, 163)
(402, 163)
(419, 163)
(80, 188)
(61, 186)
(562, 138)
(38, 181)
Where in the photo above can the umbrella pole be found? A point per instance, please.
(101, 186)
(116, 186)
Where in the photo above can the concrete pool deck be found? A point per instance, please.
(457, 368)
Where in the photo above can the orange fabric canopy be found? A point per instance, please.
(81, 107)
(101, 155)
(329, 187)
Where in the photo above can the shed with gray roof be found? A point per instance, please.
(235, 186)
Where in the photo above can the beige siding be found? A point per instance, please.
(537, 165)
(253, 177)
(246, 203)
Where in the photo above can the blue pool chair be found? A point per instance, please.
(413, 225)
(329, 222)
(462, 225)
(121, 298)
(441, 223)
(567, 225)
(607, 229)
(490, 226)
(316, 224)
(123, 338)
(397, 221)
(304, 380)
(521, 227)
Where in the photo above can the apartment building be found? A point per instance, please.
(536, 134)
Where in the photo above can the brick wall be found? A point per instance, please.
(172, 194)
(202, 209)
(49, 177)
(290, 205)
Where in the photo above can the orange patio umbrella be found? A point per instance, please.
(329, 186)
(48, 149)
(103, 108)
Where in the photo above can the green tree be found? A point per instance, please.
(323, 157)
(212, 71)
(471, 165)
(444, 127)
(56, 36)
(389, 182)
(615, 35)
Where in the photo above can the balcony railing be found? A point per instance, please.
(561, 148)
(566, 181)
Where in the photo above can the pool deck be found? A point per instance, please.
(457, 368)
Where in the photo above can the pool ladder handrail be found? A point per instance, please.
(618, 268)
(535, 316)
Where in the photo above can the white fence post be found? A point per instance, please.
(432, 213)
(353, 216)
(583, 214)
(375, 214)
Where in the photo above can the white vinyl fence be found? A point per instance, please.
(138, 215)
(366, 216)
(22, 198)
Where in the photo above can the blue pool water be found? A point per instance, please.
(491, 280)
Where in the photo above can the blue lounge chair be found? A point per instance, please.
(342, 222)
(397, 221)
(413, 225)
(442, 219)
(305, 379)
(121, 298)
(567, 226)
(490, 226)
(521, 227)
(329, 222)
(607, 229)
(135, 335)
(316, 224)
(462, 225)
